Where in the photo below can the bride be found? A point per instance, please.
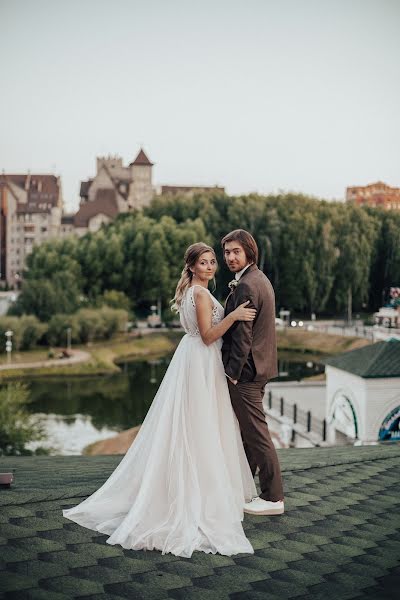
(183, 482)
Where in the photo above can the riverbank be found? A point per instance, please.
(72, 358)
(118, 444)
(316, 343)
(101, 358)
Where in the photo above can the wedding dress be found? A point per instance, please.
(183, 482)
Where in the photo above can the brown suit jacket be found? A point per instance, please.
(249, 348)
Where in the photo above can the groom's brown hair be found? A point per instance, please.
(246, 240)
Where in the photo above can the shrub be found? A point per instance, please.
(17, 426)
(114, 320)
(57, 329)
(90, 325)
(10, 323)
(32, 330)
(116, 299)
(27, 331)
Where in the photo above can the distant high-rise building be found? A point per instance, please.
(378, 195)
(30, 213)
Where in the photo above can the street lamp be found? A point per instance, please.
(69, 338)
(9, 335)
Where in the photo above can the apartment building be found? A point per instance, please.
(31, 206)
(378, 195)
(30, 213)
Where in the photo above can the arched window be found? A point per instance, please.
(343, 416)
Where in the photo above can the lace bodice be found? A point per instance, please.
(187, 312)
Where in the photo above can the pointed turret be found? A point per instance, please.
(141, 160)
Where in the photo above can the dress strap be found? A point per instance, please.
(198, 285)
(192, 292)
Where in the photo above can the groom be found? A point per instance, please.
(250, 361)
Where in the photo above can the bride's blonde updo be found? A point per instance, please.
(192, 254)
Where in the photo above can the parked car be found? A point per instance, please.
(387, 317)
(154, 321)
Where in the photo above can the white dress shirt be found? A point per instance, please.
(240, 273)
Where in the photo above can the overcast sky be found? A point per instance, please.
(255, 95)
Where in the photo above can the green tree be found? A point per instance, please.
(90, 325)
(17, 426)
(116, 299)
(45, 297)
(356, 238)
(318, 255)
(57, 329)
(114, 320)
(32, 331)
(326, 257)
(385, 271)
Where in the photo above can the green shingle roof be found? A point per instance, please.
(377, 360)
(339, 537)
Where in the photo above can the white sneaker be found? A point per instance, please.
(258, 506)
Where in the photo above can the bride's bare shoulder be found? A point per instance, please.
(201, 293)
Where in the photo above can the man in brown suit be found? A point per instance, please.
(250, 360)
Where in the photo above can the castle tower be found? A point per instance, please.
(141, 189)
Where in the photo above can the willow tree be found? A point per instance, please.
(356, 235)
(385, 272)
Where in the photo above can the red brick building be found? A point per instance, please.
(378, 195)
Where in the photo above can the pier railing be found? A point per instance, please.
(297, 417)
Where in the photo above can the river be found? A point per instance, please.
(79, 411)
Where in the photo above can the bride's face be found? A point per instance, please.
(205, 267)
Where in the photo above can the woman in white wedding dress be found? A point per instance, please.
(183, 482)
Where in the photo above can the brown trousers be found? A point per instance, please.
(260, 451)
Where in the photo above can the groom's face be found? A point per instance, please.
(235, 256)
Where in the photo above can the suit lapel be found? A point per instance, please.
(229, 298)
(227, 302)
(251, 268)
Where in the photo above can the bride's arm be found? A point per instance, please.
(204, 307)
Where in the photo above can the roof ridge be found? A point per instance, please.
(380, 359)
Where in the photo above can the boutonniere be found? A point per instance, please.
(232, 284)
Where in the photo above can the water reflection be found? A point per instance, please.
(79, 411)
(295, 370)
(117, 401)
(70, 435)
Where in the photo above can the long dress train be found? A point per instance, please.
(182, 484)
